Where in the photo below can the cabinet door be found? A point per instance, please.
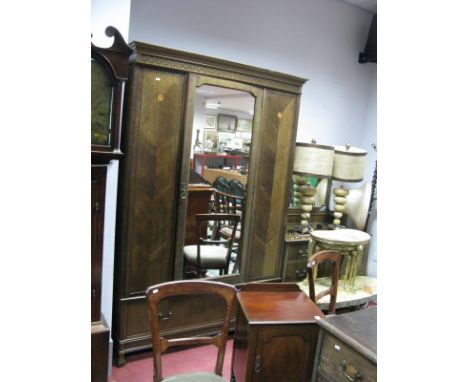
(285, 354)
(271, 196)
(150, 178)
(98, 195)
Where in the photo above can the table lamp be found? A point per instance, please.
(349, 164)
(314, 160)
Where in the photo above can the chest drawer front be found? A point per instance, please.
(296, 251)
(295, 271)
(343, 364)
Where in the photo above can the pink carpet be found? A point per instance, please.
(139, 368)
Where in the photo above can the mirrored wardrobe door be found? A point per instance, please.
(215, 178)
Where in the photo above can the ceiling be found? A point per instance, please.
(369, 5)
(228, 99)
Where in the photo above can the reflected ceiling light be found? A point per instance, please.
(210, 105)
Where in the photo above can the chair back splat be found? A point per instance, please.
(156, 293)
(313, 262)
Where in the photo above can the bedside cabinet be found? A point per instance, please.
(295, 258)
(347, 348)
(276, 337)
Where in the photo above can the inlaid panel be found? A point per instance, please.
(271, 192)
(153, 169)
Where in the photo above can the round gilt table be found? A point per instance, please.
(349, 242)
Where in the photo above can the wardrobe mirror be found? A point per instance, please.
(219, 166)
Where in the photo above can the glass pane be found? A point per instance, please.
(222, 134)
(101, 105)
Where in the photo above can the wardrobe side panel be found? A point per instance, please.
(277, 136)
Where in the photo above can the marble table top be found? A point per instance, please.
(365, 290)
(345, 236)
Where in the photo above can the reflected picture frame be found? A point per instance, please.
(210, 122)
(244, 125)
(210, 139)
(227, 122)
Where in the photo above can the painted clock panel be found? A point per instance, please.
(101, 105)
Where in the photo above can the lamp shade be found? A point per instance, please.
(349, 164)
(313, 160)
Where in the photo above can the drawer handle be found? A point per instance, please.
(164, 317)
(258, 365)
(357, 375)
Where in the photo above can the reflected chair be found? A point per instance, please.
(318, 258)
(211, 253)
(232, 204)
(221, 184)
(156, 293)
(236, 188)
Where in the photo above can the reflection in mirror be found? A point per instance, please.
(320, 197)
(219, 164)
(309, 195)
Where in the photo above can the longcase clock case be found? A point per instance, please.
(109, 73)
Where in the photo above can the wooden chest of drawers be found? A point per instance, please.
(295, 258)
(347, 348)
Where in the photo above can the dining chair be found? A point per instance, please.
(211, 253)
(157, 293)
(318, 258)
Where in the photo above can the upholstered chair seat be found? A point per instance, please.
(211, 256)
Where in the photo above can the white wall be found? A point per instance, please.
(370, 136)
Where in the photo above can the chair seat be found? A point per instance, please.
(212, 256)
(195, 377)
(227, 232)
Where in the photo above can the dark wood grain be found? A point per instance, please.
(99, 351)
(276, 335)
(147, 233)
(274, 307)
(269, 287)
(198, 203)
(98, 200)
(271, 195)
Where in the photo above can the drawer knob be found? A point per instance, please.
(357, 375)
